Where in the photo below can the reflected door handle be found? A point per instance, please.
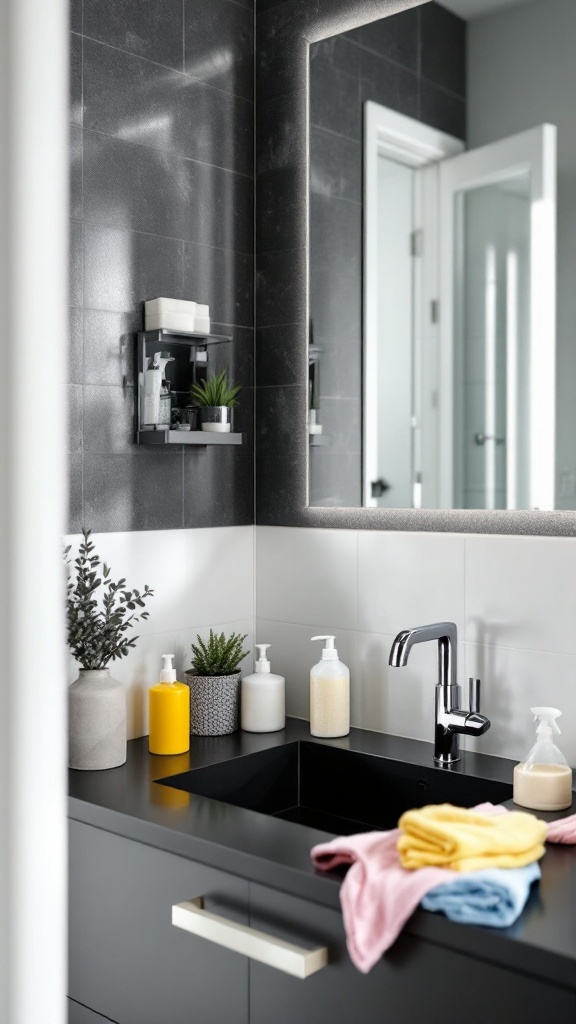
(481, 438)
(378, 487)
(256, 945)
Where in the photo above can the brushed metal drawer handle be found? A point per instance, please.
(267, 949)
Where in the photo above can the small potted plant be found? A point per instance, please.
(216, 397)
(97, 634)
(214, 682)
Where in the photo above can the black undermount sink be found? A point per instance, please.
(333, 789)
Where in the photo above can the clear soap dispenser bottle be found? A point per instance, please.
(329, 694)
(543, 782)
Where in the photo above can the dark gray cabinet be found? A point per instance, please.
(415, 982)
(127, 961)
(129, 964)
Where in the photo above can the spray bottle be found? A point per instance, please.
(543, 781)
(329, 693)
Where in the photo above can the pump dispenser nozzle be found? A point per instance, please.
(329, 653)
(262, 663)
(168, 673)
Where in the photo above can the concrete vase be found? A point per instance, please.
(96, 721)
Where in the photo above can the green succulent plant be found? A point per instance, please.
(96, 629)
(215, 390)
(219, 656)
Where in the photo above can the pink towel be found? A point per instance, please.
(562, 831)
(378, 895)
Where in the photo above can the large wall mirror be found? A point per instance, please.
(440, 228)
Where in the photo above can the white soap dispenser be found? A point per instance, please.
(543, 782)
(329, 694)
(263, 701)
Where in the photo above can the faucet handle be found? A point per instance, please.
(474, 695)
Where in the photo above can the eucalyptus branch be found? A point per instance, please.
(98, 609)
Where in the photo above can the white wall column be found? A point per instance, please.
(33, 332)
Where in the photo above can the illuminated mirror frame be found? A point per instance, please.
(284, 32)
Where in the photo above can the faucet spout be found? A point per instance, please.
(450, 719)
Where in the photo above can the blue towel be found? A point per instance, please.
(493, 897)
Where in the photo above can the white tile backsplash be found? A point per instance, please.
(307, 576)
(198, 576)
(512, 598)
(201, 578)
(521, 593)
(513, 681)
(408, 579)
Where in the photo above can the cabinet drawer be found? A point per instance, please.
(127, 961)
(415, 982)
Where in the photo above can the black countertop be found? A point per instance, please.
(129, 802)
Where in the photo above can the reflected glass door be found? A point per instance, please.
(498, 324)
(491, 345)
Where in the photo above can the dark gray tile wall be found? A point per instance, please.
(413, 62)
(161, 203)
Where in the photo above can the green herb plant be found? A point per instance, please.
(215, 390)
(220, 656)
(97, 628)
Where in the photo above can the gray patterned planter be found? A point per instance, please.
(214, 704)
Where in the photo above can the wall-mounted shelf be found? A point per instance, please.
(190, 351)
(194, 437)
(183, 338)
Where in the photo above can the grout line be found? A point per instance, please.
(270, 387)
(383, 633)
(254, 248)
(168, 238)
(333, 134)
(166, 67)
(82, 502)
(275, 327)
(464, 573)
(160, 149)
(308, 625)
(442, 88)
(183, 486)
(333, 199)
(357, 582)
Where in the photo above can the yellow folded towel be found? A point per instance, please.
(442, 835)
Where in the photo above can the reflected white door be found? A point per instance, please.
(498, 324)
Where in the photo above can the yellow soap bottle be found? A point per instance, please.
(169, 713)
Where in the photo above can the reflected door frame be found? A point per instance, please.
(409, 142)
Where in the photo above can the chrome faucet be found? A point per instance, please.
(451, 720)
